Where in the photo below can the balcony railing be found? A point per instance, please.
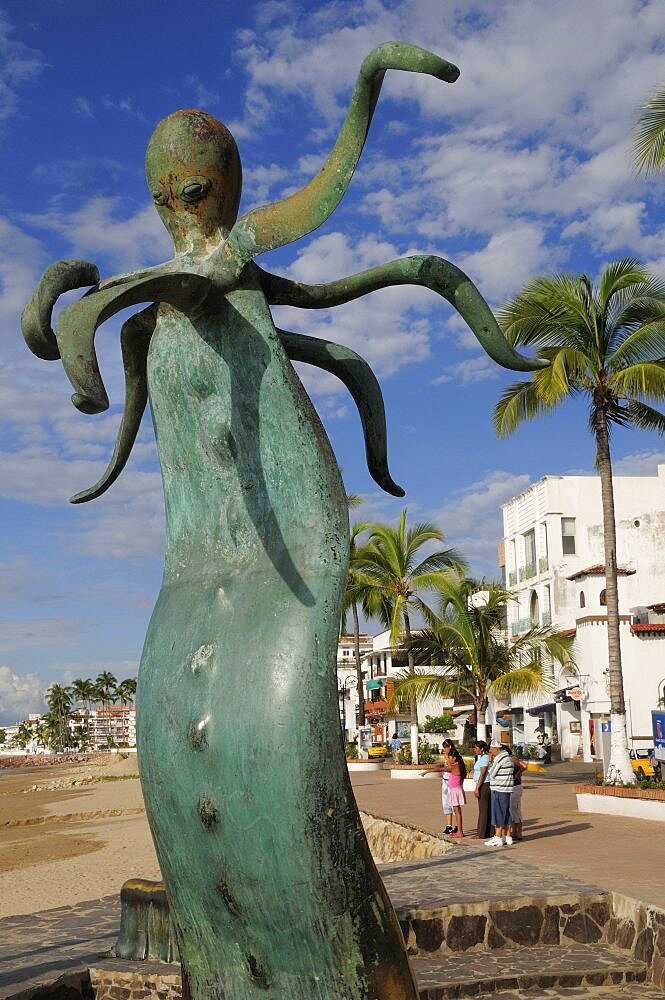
(522, 625)
(528, 571)
(547, 618)
(512, 578)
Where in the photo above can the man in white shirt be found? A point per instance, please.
(501, 786)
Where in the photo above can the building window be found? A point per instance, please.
(568, 536)
(603, 598)
(582, 599)
(530, 553)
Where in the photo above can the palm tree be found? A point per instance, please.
(649, 143)
(106, 685)
(397, 576)
(59, 701)
(23, 735)
(466, 639)
(358, 588)
(126, 690)
(608, 344)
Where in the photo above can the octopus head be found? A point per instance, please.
(195, 178)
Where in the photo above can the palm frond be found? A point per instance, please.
(645, 379)
(645, 417)
(644, 343)
(618, 275)
(423, 685)
(522, 680)
(519, 402)
(649, 142)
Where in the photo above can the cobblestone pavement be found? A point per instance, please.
(43, 945)
(608, 851)
(35, 946)
(536, 967)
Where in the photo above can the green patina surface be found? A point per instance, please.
(271, 886)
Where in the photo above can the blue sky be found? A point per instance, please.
(521, 167)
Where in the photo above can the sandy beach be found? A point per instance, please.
(62, 843)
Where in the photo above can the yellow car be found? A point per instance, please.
(377, 752)
(642, 761)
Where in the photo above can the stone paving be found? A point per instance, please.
(41, 946)
(537, 967)
(634, 991)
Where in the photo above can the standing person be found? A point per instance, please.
(501, 786)
(394, 745)
(519, 766)
(447, 767)
(481, 777)
(457, 769)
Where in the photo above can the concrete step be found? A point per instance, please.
(536, 968)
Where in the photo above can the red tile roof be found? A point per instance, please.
(599, 570)
(648, 627)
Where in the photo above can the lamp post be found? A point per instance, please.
(343, 689)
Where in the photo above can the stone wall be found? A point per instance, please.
(389, 841)
(514, 924)
(640, 929)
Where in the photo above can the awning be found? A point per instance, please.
(376, 683)
(539, 709)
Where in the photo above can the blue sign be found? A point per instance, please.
(658, 726)
(606, 727)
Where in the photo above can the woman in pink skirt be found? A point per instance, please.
(457, 769)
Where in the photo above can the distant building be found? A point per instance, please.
(553, 558)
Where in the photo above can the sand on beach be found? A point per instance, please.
(78, 835)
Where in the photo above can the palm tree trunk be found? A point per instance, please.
(481, 726)
(414, 701)
(620, 768)
(359, 672)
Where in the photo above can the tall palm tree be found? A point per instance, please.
(398, 575)
(106, 685)
(466, 640)
(358, 588)
(126, 690)
(608, 344)
(23, 735)
(649, 142)
(59, 701)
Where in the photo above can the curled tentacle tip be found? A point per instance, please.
(86, 404)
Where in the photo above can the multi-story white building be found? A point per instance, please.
(553, 557)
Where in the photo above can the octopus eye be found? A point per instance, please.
(159, 197)
(194, 189)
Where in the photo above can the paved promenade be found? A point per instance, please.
(563, 851)
(608, 851)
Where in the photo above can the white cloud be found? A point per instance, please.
(468, 372)
(34, 633)
(639, 463)
(20, 694)
(94, 231)
(508, 259)
(18, 65)
(472, 520)
(83, 107)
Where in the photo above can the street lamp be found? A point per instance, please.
(343, 689)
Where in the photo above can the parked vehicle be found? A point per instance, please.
(643, 763)
(377, 752)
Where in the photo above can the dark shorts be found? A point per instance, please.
(500, 808)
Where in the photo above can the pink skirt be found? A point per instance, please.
(456, 796)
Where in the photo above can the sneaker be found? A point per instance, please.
(494, 842)
(509, 841)
(447, 830)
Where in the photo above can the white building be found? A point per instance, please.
(380, 663)
(553, 558)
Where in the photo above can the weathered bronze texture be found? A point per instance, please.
(271, 886)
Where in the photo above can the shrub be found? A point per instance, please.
(351, 751)
(438, 723)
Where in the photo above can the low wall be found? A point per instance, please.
(390, 841)
(635, 803)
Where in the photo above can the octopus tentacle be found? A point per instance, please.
(134, 342)
(63, 276)
(422, 269)
(78, 322)
(274, 225)
(363, 385)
